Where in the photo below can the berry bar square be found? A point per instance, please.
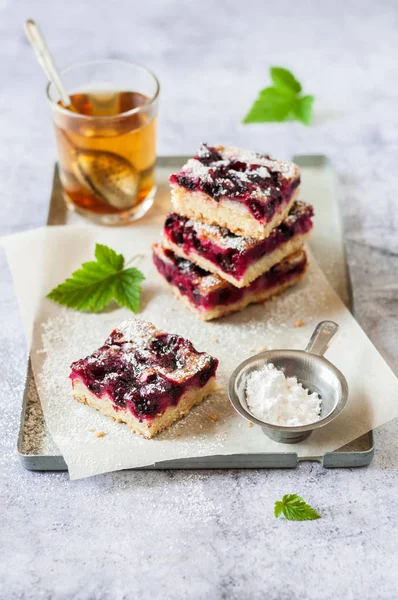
(237, 259)
(248, 193)
(144, 377)
(210, 297)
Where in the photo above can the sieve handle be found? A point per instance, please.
(322, 337)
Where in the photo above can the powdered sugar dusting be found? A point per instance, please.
(221, 236)
(248, 156)
(262, 172)
(225, 239)
(235, 173)
(136, 332)
(210, 282)
(196, 169)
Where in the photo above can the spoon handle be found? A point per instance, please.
(45, 58)
(322, 337)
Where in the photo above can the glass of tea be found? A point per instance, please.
(107, 139)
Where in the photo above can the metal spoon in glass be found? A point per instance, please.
(310, 368)
(107, 175)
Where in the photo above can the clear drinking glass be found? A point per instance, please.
(107, 139)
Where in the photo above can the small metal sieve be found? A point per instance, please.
(310, 368)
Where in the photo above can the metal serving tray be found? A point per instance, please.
(38, 452)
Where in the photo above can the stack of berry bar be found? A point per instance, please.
(237, 233)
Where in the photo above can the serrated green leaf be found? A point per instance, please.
(271, 105)
(278, 509)
(278, 94)
(282, 101)
(109, 257)
(90, 272)
(95, 284)
(294, 508)
(302, 109)
(283, 78)
(80, 295)
(128, 289)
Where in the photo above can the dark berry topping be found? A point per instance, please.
(143, 377)
(186, 182)
(232, 254)
(206, 291)
(207, 155)
(251, 183)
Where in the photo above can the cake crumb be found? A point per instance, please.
(215, 340)
(261, 348)
(100, 434)
(299, 323)
(90, 429)
(250, 424)
(213, 416)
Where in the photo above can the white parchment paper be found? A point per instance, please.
(41, 259)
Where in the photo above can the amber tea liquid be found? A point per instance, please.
(107, 160)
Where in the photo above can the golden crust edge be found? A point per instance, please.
(172, 414)
(232, 215)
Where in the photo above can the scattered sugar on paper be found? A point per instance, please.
(72, 421)
(69, 335)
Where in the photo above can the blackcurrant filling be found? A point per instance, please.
(233, 257)
(262, 190)
(135, 378)
(191, 280)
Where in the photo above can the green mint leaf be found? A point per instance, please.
(285, 79)
(294, 508)
(93, 286)
(271, 105)
(302, 109)
(282, 101)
